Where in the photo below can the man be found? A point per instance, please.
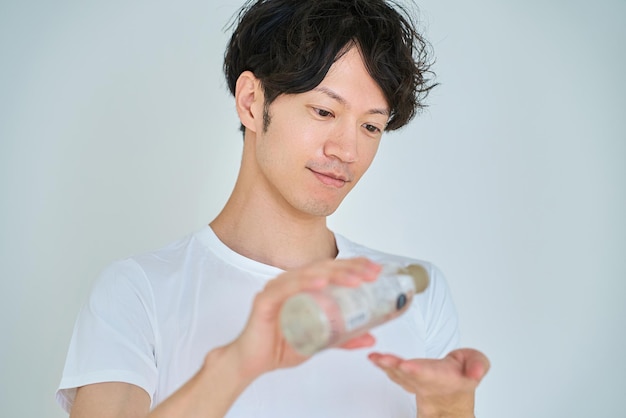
(192, 329)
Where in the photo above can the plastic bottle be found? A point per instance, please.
(315, 320)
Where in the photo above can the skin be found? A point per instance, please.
(294, 173)
(316, 148)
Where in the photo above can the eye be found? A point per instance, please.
(322, 113)
(372, 129)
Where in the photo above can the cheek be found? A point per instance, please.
(300, 140)
(283, 145)
(369, 150)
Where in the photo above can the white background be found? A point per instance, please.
(118, 136)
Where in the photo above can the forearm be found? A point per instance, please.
(209, 393)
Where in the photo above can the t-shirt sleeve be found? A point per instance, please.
(442, 323)
(115, 337)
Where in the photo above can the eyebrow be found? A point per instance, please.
(341, 100)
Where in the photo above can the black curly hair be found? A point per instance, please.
(290, 45)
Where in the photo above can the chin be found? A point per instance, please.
(319, 207)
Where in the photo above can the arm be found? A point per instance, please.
(111, 399)
(228, 370)
(208, 394)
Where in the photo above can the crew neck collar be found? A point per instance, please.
(211, 241)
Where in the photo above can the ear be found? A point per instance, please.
(249, 100)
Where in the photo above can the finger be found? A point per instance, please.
(402, 372)
(362, 341)
(345, 272)
(415, 371)
(460, 369)
(352, 272)
(475, 364)
(459, 372)
(385, 361)
(389, 363)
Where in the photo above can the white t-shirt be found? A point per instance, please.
(151, 320)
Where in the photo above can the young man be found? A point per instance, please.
(192, 329)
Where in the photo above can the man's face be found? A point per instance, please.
(319, 143)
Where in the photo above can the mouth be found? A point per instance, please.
(332, 179)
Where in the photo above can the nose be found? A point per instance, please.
(342, 144)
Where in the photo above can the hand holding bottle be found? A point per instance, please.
(261, 347)
(317, 319)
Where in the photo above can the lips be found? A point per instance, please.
(330, 178)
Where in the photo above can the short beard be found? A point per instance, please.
(266, 116)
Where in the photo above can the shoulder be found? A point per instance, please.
(157, 264)
(139, 274)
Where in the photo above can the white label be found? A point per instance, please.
(372, 302)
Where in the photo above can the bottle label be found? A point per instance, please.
(312, 321)
(374, 303)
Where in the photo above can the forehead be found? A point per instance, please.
(349, 83)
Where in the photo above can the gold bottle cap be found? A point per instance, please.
(419, 275)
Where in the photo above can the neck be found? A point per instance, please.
(274, 240)
(270, 231)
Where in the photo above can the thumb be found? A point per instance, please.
(475, 364)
